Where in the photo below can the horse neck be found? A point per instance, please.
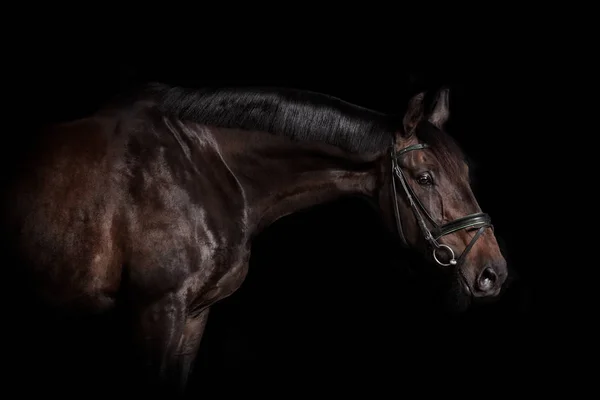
(280, 176)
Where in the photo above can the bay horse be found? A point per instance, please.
(153, 202)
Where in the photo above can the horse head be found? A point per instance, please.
(429, 201)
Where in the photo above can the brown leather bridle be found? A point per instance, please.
(476, 220)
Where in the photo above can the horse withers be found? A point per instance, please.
(149, 207)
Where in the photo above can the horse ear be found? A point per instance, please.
(414, 113)
(440, 111)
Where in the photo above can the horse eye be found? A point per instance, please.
(425, 179)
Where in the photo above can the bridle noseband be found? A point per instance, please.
(477, 220)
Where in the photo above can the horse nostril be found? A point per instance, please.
(487, 279)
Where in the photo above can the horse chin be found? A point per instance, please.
(460, 304)
(458, 297)
(448, 294)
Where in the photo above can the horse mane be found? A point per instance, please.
(298, 114)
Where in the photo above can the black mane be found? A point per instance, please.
(298, 114)
(301, 115)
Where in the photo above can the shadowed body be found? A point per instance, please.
(152, 203)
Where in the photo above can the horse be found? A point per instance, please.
(152, 203)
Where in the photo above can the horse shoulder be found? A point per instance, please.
(186, 213)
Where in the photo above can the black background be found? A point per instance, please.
(298, 322)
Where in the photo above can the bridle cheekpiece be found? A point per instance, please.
(477, 220)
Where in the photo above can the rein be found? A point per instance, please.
(476, 220)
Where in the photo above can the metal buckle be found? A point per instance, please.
(452, 257)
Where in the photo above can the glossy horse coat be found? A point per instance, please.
(151, 204)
